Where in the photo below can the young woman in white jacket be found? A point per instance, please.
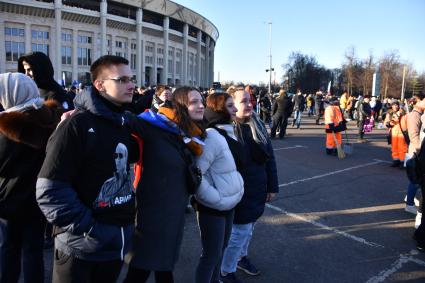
(222, 186)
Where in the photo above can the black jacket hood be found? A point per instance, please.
(42, 69)
(93, 102)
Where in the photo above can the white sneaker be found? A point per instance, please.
(418, 220)
(411, 209)
(415, 200)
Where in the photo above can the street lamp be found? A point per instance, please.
(270, 69)
(270, 78)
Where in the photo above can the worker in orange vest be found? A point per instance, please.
(396, 122)
(334, 124)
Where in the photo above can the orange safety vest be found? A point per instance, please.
(333, 116)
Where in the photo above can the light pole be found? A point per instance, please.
(270, 69)
(402, 84)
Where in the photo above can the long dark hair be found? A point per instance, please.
(180, 103)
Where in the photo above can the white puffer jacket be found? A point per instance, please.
(222, 186)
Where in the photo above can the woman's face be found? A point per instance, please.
(395, 107)
(231, 108)
(165, 95)
(243, 104)
(196, 106)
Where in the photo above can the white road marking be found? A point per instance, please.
(397, 265)
(290, 147)
(331, 173)
(383, 161)
(333, 230)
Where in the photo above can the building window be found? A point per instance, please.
(149, 60)
(160, 50)
(133, 46)
(118, 44)
(160, 61)
(170, 66)
(40, 47)
(14, 50)
(14, 31)
(66, 55)
(118, 54)
(84, 77)
(66, 36)
(108, 42)
(40, 35)
(133, 61)
(149, 48)
(84, 56)
(84, 39)
(178, 67)
(68, 77)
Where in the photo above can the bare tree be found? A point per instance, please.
(389, 67)
(348, 67)
(367, 74)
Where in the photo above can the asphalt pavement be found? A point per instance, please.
(334, 220)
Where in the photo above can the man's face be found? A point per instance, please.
(116, 82)
(28, 70)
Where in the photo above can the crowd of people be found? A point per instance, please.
(72, 168)
(65, 161)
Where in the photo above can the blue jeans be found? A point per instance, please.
(411, 193)
(237, 246)
(297, 118)
(21, 240)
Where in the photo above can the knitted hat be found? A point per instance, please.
(18, 92)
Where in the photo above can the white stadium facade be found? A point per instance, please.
(165, 43)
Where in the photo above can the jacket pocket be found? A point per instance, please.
(100, 237)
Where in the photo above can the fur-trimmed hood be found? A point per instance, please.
(32, 127)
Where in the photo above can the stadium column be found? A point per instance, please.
(103, 16)
(140, 68)
(185, 39)
(27, 37)
(129, 49)
(113, 44)
(211, 72)
(74, 54)
(2, 47)
(164, 77)
(198, 58)
(58, 29)
(207, 62)
(154, 70)
(174, 66)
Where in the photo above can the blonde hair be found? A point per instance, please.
(258, 130)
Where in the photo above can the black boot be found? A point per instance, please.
(396, 163)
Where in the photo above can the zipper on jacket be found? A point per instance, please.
(123, 243)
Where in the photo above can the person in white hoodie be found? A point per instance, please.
(222, 185)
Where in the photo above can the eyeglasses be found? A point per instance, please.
(122, 80)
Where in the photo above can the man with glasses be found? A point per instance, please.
(84, 186)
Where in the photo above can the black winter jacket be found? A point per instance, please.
(23, 139)
(282, 107)
(84, 185)
(260, 178)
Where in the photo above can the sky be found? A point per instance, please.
(324, 29)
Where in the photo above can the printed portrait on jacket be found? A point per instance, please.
(118, 189)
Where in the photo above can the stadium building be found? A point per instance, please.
(165, 43)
